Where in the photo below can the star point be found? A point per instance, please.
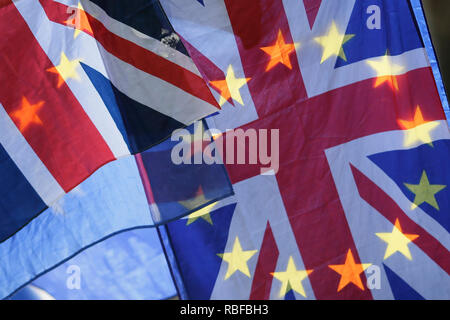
(386, 71)
(279, 52)
(397, 241)
(229, 88)
(418, 129)
(350, 271)
(425, 192)
(332, 43)
(237, 259)
(291, 279)
(197, 215)
(203, 213)
(27, 114)
(66, 69)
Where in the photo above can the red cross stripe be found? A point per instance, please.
(130, 52)
(312, 9)
(307, 128)
(52, 121)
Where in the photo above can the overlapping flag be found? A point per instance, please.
(129, 265)
(83, 83)
(328, 121)
(80, 88)
(359, 207)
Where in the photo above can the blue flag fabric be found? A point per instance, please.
(98, 208)
(177, 189)
(31, 292)
(129, 265)
(197, 262)
(116, 198)
(129, 86)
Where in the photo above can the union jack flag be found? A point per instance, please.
(359, 208)
(82, 84)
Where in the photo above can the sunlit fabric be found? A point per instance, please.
(96, 209)
(358, 208)
(129, 265)
(83, 84)
(125, 194)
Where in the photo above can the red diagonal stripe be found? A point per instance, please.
(267, 262)
(145, 180)
(317, 218)
(312, 9)
(64, 137)
(256, 24)
(384, 204)
(209, 70)
(304, 178)
(137, 56)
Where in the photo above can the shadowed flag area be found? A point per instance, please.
(129, 265)
(114, 199)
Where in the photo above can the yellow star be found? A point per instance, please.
(27, 114)
(425, 192)
(350, 271)
(421, 130)
(279, 52)
(386, 71)
(203, 213)
(197, 200)
(397, 241)
(229, 88)
(237, 259)
(332, 43)
(291, 278)
(66, 69)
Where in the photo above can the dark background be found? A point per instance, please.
(438, 16)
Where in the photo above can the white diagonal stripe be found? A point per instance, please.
(27, 161)
(309, 55)
(215, 39)
(85, 48)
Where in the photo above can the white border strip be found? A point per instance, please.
(27, 161)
